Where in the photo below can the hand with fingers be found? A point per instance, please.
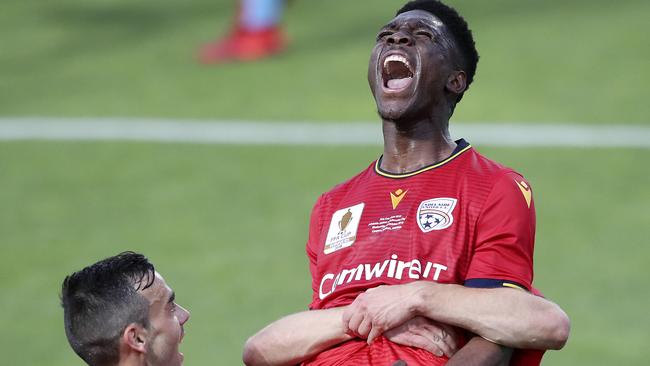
(379, 309)
(439, 339)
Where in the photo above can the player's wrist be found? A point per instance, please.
(343, 331)
(421, 296)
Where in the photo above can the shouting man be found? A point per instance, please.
(121, 312)
(430, 249)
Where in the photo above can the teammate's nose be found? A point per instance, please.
(400, 38)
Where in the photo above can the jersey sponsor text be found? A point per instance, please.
(389, 268)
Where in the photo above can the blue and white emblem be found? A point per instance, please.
(436, 214)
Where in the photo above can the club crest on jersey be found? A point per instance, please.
(343, 228)
(436, 214)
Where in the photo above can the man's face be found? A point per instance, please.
(410, 64)
(166, 319)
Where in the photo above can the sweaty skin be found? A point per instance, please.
(158, 344)
(416, 118)
(166, 325)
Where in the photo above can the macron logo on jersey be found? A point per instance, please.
(389, 268)
(525, 190)
(396, 197)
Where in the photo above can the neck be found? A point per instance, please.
(132, 360)
(409, 146)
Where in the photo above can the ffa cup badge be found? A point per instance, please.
(343, 228)
(435, 214)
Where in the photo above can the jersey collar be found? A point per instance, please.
(461, 147)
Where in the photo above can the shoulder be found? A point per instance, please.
(481, 168)
(501, 186)
(489, 182)
(340, 190)
(329, 201)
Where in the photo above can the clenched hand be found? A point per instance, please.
(380, 309)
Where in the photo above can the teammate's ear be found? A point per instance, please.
(457, 82)
(135, 338)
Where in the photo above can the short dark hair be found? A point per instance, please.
(101, 300)
(458, 28)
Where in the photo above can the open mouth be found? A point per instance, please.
(397, 73)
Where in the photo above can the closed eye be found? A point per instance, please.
(171, 302)
(383, 34)
(424, 34)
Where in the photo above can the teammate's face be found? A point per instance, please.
(166, 319)
(410, 65)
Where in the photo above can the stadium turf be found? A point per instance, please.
(226, 225)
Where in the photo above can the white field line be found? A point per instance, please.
(317, 133)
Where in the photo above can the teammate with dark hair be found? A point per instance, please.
(425, 257)
(121, 312)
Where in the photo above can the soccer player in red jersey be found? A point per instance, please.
(425, 257)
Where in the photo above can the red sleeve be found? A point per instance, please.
(315, 225)
(505, 234)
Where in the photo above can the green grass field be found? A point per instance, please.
(559, 61)
(226, 225)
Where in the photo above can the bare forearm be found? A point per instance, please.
(481, 352)
(509, 317)
(295, 338)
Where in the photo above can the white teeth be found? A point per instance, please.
(397, 58)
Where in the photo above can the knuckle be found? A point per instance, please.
(411, 326)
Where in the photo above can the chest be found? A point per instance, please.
(400, 230)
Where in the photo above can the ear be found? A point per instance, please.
(457, 82)
(135, 338)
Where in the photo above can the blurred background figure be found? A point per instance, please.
(255, 34)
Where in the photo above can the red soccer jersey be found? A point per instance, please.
(465, 220)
